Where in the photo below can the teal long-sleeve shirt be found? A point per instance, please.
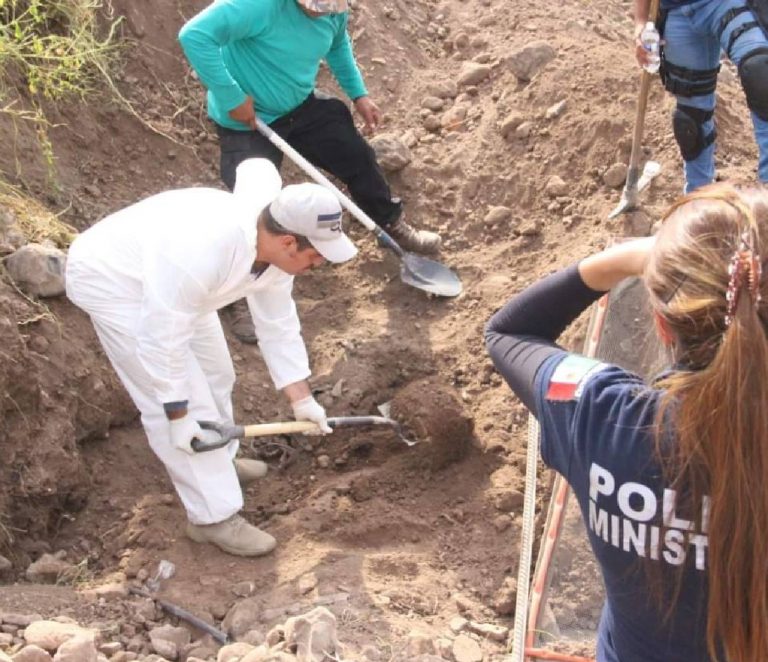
(269, 50)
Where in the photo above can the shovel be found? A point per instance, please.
(636, 181)
(230, 432)
(416, 271)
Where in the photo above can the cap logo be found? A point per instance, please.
(330, 222)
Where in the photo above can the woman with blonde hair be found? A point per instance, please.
(671, 476)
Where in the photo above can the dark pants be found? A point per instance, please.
(321, 129)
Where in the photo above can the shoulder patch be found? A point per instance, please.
(570, 376)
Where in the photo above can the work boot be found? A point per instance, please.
(249, 470)
(234, 536)
(241, 322)
(411, 239)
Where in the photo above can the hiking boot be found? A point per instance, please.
(411, 239)
(234, 536)
(249, 470)
(241, 322)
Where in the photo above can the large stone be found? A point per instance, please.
(77, 649)
(473, 73)
(497, 215)
(530, 59)
(5, 564)
(391, 152)
(510, 123)
(49, 635)
(19, 620)
(615, 175)
(490, 631)
(506, 597)
(466, 649)
(245, 615)
(179, 637)
(38, 270)
(556, 187)
(32, 654)
(47, 569)
(313, 635)
(443, 89)
(234, 652)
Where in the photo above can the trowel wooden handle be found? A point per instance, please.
(288, 427)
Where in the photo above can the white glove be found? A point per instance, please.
(185, 429)
(309, 409)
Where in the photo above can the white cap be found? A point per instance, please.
(314, 212)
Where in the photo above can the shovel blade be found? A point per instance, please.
(429, 276)
(634, 186)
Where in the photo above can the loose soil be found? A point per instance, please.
(413, 536)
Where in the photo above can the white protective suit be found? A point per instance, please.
(152, 277)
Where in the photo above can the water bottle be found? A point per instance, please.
(650, 40)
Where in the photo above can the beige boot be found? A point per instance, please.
(411, 239)
(249, 470)
(234, 536)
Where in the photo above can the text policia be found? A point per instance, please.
(632, 531)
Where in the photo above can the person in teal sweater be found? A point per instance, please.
(261, 57)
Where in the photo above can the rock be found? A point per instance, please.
(109, 649)
(307, 583)
(391, 152)
(473, 73)
(20, 620)
(433, 103)
(443, 647)
(5, 564)
(32, 653)
(47, 569)
(457, 624)
(50, 635)
(244, 589)
(38, 270)
(443, 89)
(616, 175)
(313, 635)
(505, 598)
(109, 592)
(529, 60)
(77, 649)
(489, 631)
(453, 118)
(234, 652)
(323, 461)
(461, 41)
(555, 110)
(432, 123)
(556, 187)
(510, 123)
(6, 639)
(254, 637)
(178, 636)
(4, 657)
(508, 501)
(244, 615)
(418, 643)
(165, 649)
(497, 215)
(466, 650)
(124, 656)
(258, 654)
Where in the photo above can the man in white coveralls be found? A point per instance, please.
(152, 276)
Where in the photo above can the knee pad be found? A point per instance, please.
(753, 71)
(688, 126)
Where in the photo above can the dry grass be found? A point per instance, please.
(34, 221)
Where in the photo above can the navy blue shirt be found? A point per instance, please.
(597, 431)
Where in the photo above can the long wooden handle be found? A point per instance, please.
(642, 104)
(287, 427)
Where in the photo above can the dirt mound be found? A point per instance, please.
(436, 416)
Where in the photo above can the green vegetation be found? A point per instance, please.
(51, 50)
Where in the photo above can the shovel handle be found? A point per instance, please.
(321, 179)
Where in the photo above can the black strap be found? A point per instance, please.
(689, 82)
(728, 17)
(699, 114)
(738, 32)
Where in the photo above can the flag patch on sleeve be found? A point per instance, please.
(570, 376)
